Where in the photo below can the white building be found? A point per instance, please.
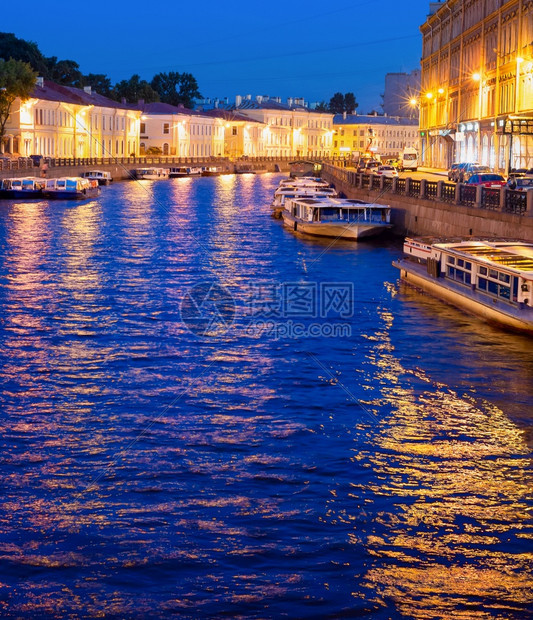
(62, 121)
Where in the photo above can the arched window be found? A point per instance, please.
(165, 148)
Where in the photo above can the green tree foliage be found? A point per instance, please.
(25, 51)
(322, 107)
(336, 104)
(65, 72)
(99, 83)
(340, 103)
(17, 79)
(134, 89)
(176, 88)
(350, 104)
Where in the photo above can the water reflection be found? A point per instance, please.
(458, 474)
(148, 471)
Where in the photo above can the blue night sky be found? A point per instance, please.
(308, 49)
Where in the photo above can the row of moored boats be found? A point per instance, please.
(489, 278)
(66, 188)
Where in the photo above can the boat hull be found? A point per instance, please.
(13, 194)
(352, 231)
(71, 195)
(517, 318)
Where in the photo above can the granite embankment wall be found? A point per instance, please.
(121, 171)
(415, 216)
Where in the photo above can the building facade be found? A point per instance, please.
(177, 131)
(289, 130)
(359, 135)
(476, 98)
(61, 121)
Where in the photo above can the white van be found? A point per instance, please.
(408, 159)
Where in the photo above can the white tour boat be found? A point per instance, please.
(70, 188)
(150, 173)
(103, 177)
(22, 188)
(300, 188)
(490, 278)
(342, 218)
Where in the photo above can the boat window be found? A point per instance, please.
(451, 260)
(482, 284)
(493, 287)
(460, 262)
(504, 277)
(493, 274)
(483, 271)
(505, 292)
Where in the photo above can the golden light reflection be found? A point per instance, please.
(446, 516)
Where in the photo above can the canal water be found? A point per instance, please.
(204, 414)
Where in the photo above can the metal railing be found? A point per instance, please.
(503, 200)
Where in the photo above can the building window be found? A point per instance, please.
(143, 128)
(166, 128)
(234, 131)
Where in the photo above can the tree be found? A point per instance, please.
(176, 88)
(350, 104)
(99, 83)
(322, 107)
(18, 49)
(336, 104)
(65, 72)
(134, 89)
(17, 79)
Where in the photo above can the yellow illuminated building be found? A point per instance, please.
(61, 121)
(476, 100)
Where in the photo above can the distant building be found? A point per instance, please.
(357, 135)
(289, 130)
(400, 89)
(62, 121)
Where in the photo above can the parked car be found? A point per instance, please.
(452, 172)
(387, 171)
(472, 169)
(522, 184)
(371, 167)
(487, 180)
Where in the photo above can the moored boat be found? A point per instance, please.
(22, 188)
(150, 173)
(103, 177)
(300, 188)
(70, 188)
(489, 278)
(341, 218)
(211, 171)
(184, 171)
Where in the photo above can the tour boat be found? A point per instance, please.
(295, 188)
(70, 188)
(490, 278)
(150, 173)
(184, 171)
(22, 188)
(211, 171)
(103, 177)
(342, 218)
